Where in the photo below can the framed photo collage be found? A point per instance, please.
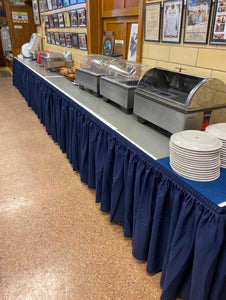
(74, 18)
(163, 20)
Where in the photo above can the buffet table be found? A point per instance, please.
(176, 229)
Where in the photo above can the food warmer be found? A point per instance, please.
(120, 82)
(176, 101)
(52, 61)
(92, 67)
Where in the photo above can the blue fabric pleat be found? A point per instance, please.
(175, 229)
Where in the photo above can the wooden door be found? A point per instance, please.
(21, 24)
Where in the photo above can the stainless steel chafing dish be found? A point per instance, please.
(120, 83)
(92, 67)
(53, 61)
(176, 101)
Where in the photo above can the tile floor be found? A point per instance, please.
(55, 243)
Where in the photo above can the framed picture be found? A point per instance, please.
(45, 5)
(132, 50)
(66, 2)
(152, 21)
(57, 38)
(55, 20)
(60, 3)
(218, 32)
(74, 40)
(41, 6)
(108, 42)
(197, 21)
(61, 20)
(36, 12)
(47, 21)
(54, 4)
(48, 38)
(73, 18)
(73, 2)
(52, 37)
(51, 23)
(171, 22)
(49, 4)
(81, 13)
(82, 41)
(67, 22)
(62, 39)
(68, 39)
(81, 1)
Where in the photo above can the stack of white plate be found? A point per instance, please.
(195, 155)
(219, 131)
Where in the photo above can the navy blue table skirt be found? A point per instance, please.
(173, 227)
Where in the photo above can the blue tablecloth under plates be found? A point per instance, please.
(175, 228)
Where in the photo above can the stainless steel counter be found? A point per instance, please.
(148, 138)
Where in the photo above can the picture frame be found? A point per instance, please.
(54, 4)
(45, 5)
(61, 20)
(36, 15)
(48, 38)
(49, 4)
(82, 41)
(55, 21)
(52, 37)
(60, 3)
(218, 33)
(47, 21)
(41, 6)
(197, 20)
(68, 39)
(62, 39)
(67, 22)
(74, 40)
(73, 2)
(132, 49)
(66, 3)
(152, 19)
(171, 21)
(51, 23)
(57, 38)
(73, 18)
(81, 13)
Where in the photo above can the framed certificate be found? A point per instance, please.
(197, 21)
(82, 41)
(171, 22)
(152, 21)
(218, 32)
